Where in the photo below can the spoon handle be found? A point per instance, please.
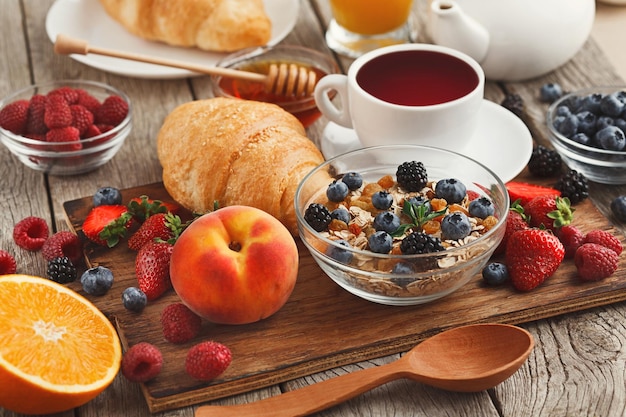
(312, 398)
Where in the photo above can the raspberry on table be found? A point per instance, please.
(7, 263)
(604, 238)
(207, 360)
(179, 323)
(61, 270)
(595, 262)
(63, 243)
(142, 362)
(30, 233)
(571, 237)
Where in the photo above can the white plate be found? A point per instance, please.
(87, 20)
(502, 141)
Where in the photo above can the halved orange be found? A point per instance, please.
(57, 350)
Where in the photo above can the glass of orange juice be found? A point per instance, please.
(359, 26)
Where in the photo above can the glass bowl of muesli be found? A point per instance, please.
(401, 224)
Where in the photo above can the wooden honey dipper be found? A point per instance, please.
(282, 79)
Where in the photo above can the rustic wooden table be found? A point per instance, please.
(578, 367)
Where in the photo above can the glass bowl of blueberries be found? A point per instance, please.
(401, 224)
(587, 127)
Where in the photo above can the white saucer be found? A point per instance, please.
(502, 141)
(87, 20)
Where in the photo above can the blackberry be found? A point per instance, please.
(61, 270)
(544, 162)
(317, 216)
(573, 185)
(411, 176)
(420, 242)
(515, 104)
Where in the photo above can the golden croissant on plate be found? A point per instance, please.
(212, 25)
(236, 152)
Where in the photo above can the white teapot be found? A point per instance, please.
(513, 40)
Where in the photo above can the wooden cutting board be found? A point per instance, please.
(322, 326)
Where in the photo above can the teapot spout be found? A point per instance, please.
(451, 27)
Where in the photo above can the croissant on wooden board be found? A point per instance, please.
(212, 25)
(236, 152)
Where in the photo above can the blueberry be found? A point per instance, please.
(451, 190)
(562, 110)
(604, 121)
(380, 242)
(621, 123)
(591, 103)
(406, 271)
(353, 180)
(134, 299)
(495, 273)
(387, 221)
(612, 105)
(581, 138)
(481, 207)
(97, 280)
(549, 92)
(382, 200)
(586, 122)
(339, 254)
(611, 138)
(455, 226)
(402, 268)
(340, 214)
(618, 208)
(337, 191)
(568, 126)
(420, 200)
(107, 196)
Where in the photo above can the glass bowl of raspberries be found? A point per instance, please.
(587, 127)
(401, 224)
(65, 127)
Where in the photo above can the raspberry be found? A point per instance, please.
(91, 132)
(7, 263)
(112, 112)
(30, 233)
(88, 101)
(142, 362)
(595, 262)
(69, 136)
(571, 237)
(61, 270)
(604, 238)
(82, 118)
(36, 111)
(58, 113)
(68, 94)
(411, 176)
(180, 324)
(14, 115)
(61, 244)
(207, 360)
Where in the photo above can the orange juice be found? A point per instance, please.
(371, 17)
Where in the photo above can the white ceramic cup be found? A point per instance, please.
(439, 91)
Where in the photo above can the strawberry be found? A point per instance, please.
(82, 118)
(532, 256)
(515, 220)
(105, 225)
(144, 207)
(14, 115)
(31, 233)
(36, 110)
(58, 113)
(68, 135)
(604, 238)
(549, 212)
(595, 262)
(207, 360)
(164, 226)
(525, 192)
(112, 112)
(179, 323)
(142, 362)
(571, 237)
(152, 268)
(7, 263)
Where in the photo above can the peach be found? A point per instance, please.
(235, 265)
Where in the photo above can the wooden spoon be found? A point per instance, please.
(467, 359)
(282, 79)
